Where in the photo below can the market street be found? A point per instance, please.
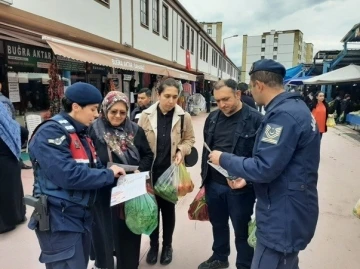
(335, 246)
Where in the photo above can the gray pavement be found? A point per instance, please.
(336, 244)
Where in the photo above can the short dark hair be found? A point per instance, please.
(67, 104)
(226, 82)
(270, 79)
(169, 82)
(243, 87)
(147, 91)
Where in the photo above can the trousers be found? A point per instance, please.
(266, 258)
(64, 250)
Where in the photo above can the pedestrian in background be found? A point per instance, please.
(231, 128)
(162, 125)
(320, 110)
(283, 170)
(144, 101)
(119, 140)
(12, 209)
(245, 95)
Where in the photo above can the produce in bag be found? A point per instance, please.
(141, 214)
(198, 209)
(167, 184)
(356, 210)
(252, 233)
(185, 183)
(330, 122)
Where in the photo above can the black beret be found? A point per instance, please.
(83, 94)
(268, 65)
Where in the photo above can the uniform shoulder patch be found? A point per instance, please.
(57, 141)
(272, 133)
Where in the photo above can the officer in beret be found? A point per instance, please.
(67, 173)
(283, 170)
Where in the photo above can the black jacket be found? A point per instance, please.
(248, 100)
(244, 135)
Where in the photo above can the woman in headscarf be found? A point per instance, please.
(12, 209)
(121, 141)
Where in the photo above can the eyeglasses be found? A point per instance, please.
(117, 112)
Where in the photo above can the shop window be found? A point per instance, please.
(182, 34)
(165, 21)
(155, 16)
(144, 12)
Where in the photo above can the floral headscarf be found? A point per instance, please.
(119, 139)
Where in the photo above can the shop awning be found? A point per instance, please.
(94, 55)
(210, 77)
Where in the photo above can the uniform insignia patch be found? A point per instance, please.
(272, 133)
(313, 123)
(57, 141)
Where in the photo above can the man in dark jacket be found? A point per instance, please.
(245, 97)
(283, 170)
(232, 129)
(144, 101)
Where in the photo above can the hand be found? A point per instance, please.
(136, 171)
(118, 171)
(238, 183)
(178, 157)
(214, 157)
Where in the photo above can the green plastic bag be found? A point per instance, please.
(141, 214)
(252, 233)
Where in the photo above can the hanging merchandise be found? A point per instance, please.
(56, 89)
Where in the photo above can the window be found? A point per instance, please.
(182, 34)
(262, 49)
(209, 31)
(275, 57)
(275, 40)
(263, 40)
(187, 37)
(201, 48)
(155, 16)
(192, 41)
(144, 12)
(207, 52)
(165, 21)
(275, 48)
(262, 57)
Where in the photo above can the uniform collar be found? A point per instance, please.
(279, 98)
(79, 127)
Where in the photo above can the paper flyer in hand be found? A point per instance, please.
(129, 187)
(219, 169)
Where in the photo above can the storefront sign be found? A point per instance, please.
(19, 54)
(128, 64)
(68, 64)
(127, 77)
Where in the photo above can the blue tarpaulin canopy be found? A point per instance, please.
(294, 72)
(296, 81)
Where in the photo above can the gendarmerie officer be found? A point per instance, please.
(283, 169)
(67, 173)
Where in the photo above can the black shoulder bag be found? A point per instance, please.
(192, 158)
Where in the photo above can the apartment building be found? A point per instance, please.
(214, 30)
(287, 47)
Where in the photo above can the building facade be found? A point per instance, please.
(287, 47)
(214, 30)
(129, 40)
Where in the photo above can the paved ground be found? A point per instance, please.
(337, 240)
